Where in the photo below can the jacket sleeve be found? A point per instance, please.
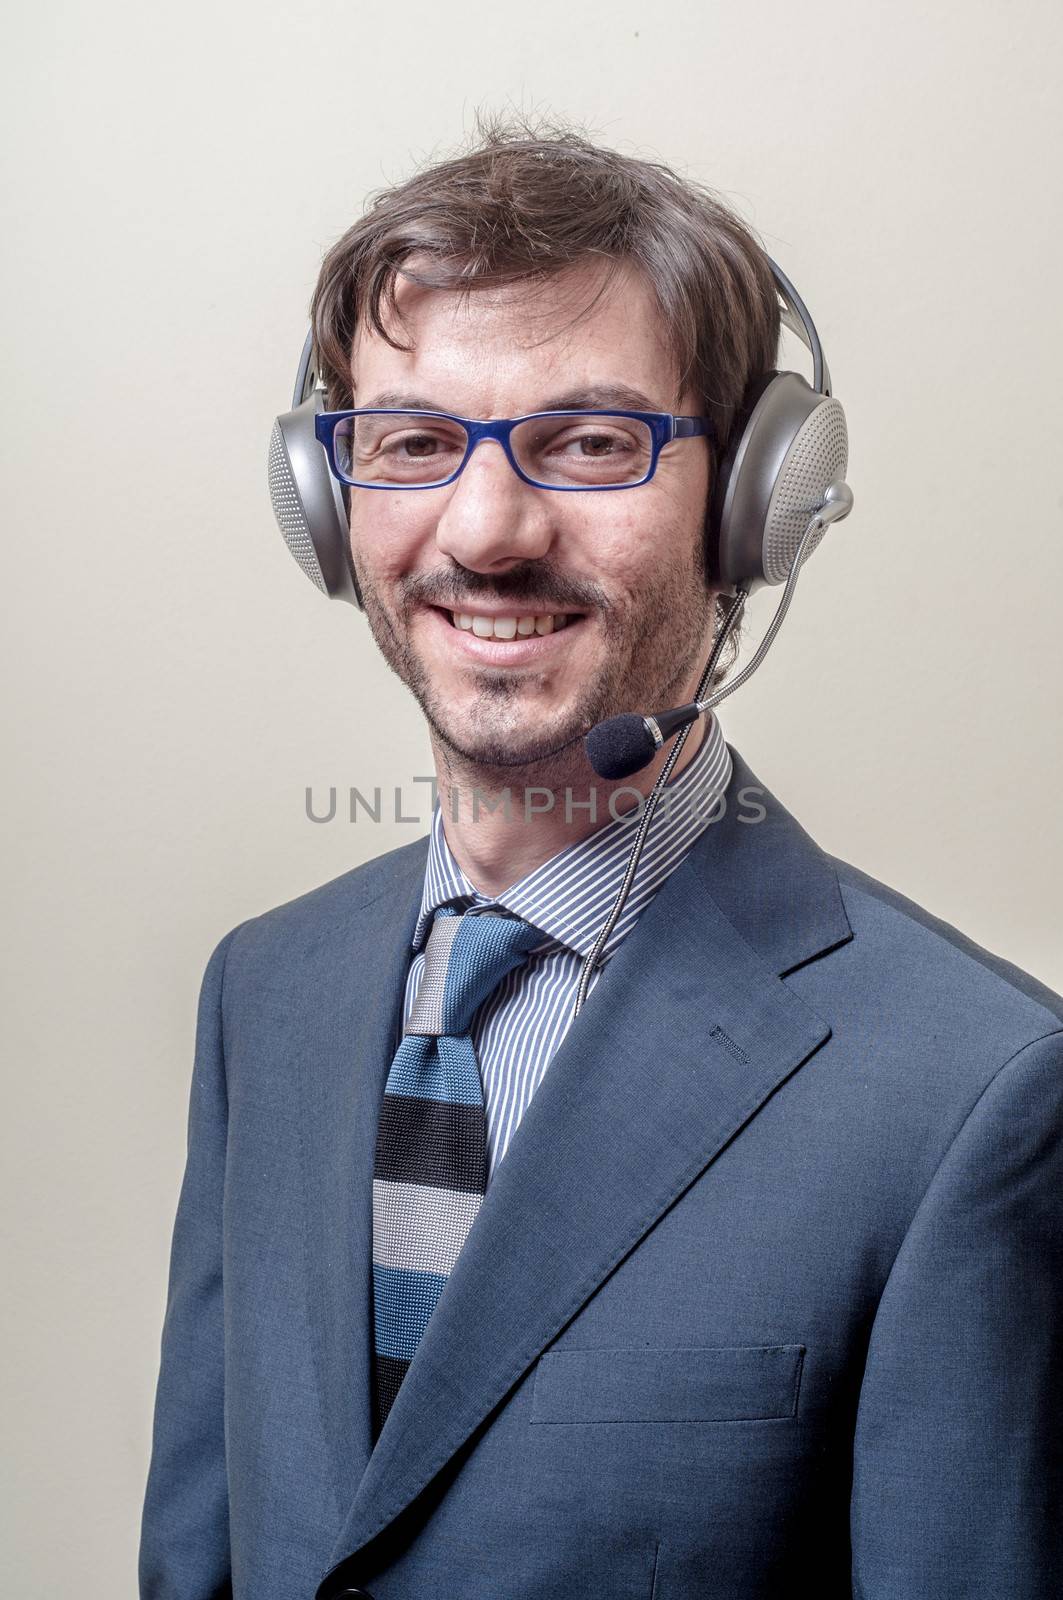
(184, 1547)
(958, 1456)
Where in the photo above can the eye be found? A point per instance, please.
(417, 445)
(593, 443)
(400, 447)
(587, 450)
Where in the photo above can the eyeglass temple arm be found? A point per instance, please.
(693, 428)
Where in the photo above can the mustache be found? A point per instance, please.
(455, 588)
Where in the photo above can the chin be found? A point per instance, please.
(520, 741)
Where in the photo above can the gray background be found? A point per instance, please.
(173, 175)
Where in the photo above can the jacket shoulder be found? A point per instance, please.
(931, 961)
(313, 915)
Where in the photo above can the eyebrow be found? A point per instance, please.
(596, 397)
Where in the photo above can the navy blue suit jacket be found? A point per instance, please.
(766, 1296)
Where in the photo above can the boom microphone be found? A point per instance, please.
(622, 745)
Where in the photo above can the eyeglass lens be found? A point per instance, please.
(417, 449)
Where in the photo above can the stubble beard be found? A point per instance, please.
(650, 654)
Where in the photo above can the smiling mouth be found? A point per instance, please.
(514, 626)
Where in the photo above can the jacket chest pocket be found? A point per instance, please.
(739, 1383)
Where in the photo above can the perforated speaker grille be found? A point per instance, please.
(818, 455)
(288, 509)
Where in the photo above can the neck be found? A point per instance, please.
(503, 823)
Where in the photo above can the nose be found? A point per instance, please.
(493, 520)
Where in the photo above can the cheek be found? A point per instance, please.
(634, 549)
(389, 534)
(604, 540)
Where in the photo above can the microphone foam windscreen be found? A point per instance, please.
(620, 746)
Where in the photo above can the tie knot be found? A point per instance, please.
(466, 958)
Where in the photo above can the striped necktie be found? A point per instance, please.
(430, 1172)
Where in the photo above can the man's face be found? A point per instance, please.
(620, 572)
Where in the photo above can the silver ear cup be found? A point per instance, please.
(308, 504)
(794, 445)
(818, 456)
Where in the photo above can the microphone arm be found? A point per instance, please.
(661, 726)
(838, 504)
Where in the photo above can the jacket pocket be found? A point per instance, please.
(740, 1383)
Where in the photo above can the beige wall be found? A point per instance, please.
(174, 174)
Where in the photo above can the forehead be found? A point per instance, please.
(521, 347)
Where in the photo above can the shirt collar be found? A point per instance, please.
(569, 896)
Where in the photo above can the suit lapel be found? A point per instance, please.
(689, 1030)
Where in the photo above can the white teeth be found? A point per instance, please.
(507, 627)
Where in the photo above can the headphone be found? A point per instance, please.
(789, 443)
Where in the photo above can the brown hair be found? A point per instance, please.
(526, 202)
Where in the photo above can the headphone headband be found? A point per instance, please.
(796, 316)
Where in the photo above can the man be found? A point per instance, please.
(747, 1278)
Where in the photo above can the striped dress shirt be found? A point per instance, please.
(518, 1028)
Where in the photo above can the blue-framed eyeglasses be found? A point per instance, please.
(567, 450)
